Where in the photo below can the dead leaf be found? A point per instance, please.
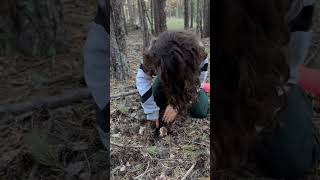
(118, 135)
(141, 130)
(128, 164)
(205, 128)
(163, 132)
(123, 168)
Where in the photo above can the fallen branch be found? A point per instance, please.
(188, 172)
(141, 175)
(122, 145)
(124, 93)
(55, 101)
(49, 102)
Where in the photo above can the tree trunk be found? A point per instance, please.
(191, 13)
(124, 20)
(198, 28)
(119, 66)
(206, 18)
(32, 27)
(143, 23)
(151, 20)
(177, 8)
(186, 14)
(159, 16)
(131, 12)
(199, 18)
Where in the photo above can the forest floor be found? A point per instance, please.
(51, 144)
(147, 157)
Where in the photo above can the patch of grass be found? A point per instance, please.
(123, 109)
(175, 23)
(153, 151)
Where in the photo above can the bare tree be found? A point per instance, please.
(32, 31)
(159, 16)
(131, 10)
(199, 18)
(143, 22)
(124, 20)
(206, 18)
(186, 14)
(119, 66)
(177, 8)
(151, 19)
(191, 13)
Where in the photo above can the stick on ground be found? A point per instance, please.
(55, 101)
(188, 172)
(121, 145)
(48, 102)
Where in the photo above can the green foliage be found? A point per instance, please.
(153, 151)
(177, 23)
(123, 109)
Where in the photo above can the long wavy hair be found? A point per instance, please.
(250, 72)
(175, 57)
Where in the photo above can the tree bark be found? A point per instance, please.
(177, 8)
(199, 18)
(119, 66)
(143, 23)
(151, 17)
(124, 21)
(32, 27)
(206, 18)
(191, 13)
(131, 12)
(159, 16)
(186, 14)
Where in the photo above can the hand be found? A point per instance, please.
(170, 114)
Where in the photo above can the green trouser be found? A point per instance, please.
(199, 110)
(294, 148)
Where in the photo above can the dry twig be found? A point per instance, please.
(122, 145)
(188, 172)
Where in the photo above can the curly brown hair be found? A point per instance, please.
(250, 69)
(175, 57)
